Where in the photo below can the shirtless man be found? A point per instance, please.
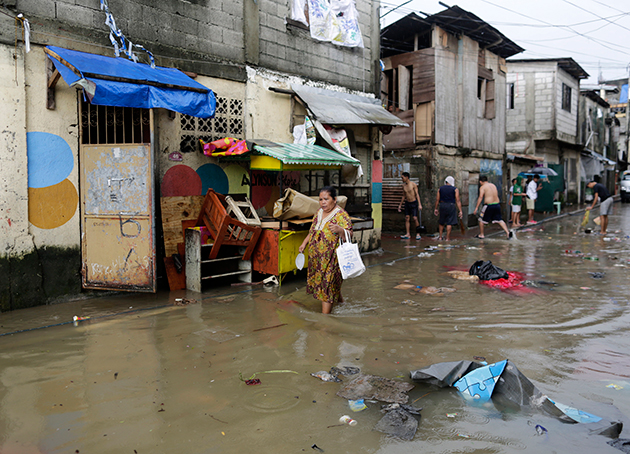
(488, 193)
(412, 204)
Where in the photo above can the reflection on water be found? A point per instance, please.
(160, 378)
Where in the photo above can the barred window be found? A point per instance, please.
(227, 122)
(112, 125)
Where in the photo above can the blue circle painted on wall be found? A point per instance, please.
(213, 176)
(50, 159)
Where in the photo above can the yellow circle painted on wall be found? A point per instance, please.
(52, 206)
(237, 178)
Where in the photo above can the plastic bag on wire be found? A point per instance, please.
(349, 258)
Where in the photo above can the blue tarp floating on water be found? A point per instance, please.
(109, 81)
(479, 384)
(504, 383)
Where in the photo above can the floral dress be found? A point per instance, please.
(324, 276)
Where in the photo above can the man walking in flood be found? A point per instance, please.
(489, 195)
(411, 198)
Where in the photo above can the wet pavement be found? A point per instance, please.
(142, 375)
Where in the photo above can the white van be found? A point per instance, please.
(624, 186)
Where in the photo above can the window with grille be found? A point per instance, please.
(109, 125)
(227, 122)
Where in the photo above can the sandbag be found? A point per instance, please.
(487, 271)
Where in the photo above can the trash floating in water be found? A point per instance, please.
(399, 421)
(378, 388)
(479, 383)
(326, 376)
(425, 254)
(591, 258)
(317, 448)
(405, 286)
(452, 415)
(585, 288)
(333, 374)
(253, 381)
(597, 275)
(463, 275)
(185, 301)
(345, 419)
(357, 405)
(540, 430)
(78, 318)
(511, 386)
(613, 386)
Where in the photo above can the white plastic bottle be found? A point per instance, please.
(345, 419)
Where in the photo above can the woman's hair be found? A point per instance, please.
(330, 190)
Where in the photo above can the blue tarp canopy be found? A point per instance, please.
(109, 81)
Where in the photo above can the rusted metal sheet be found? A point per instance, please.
(265, 256)
(117, 239)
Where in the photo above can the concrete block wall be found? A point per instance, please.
(169, 28)
(544, 102)
(210, 37)
(516, 118)
(291, 49)
(566, 121)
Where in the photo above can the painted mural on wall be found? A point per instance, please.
(52, 198)
(183, 180)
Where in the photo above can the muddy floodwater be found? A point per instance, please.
(145, 376)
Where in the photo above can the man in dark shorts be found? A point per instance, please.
(601, 193)
(489, 195)
(446, 205)
(412, 204)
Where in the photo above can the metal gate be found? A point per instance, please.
(117, 229)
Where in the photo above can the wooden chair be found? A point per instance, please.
(224, 229)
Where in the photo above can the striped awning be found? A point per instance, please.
(289, 155)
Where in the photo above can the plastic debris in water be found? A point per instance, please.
(463, 435)
(253, 381)
(345, 419)
(325, 376)
(451, 415)
(317, 448)
(613, 386)
(357, 405)
(540, 430)
(77, 318)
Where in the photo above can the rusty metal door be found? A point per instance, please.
(117, 237)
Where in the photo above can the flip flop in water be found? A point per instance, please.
(405, 237)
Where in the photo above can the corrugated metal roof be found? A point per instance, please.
(398, 37)
(290, 153)
(336, 108)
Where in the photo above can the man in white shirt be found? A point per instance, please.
(532, 194)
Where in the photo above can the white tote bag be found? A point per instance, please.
(349, 258)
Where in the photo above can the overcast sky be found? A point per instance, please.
(595, 33)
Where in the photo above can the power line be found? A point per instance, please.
(598, 41)
(596, 15)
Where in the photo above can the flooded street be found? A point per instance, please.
(144, 376)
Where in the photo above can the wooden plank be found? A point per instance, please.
(403, 87)
(174, 211)
(176, 281)
(401, 137)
